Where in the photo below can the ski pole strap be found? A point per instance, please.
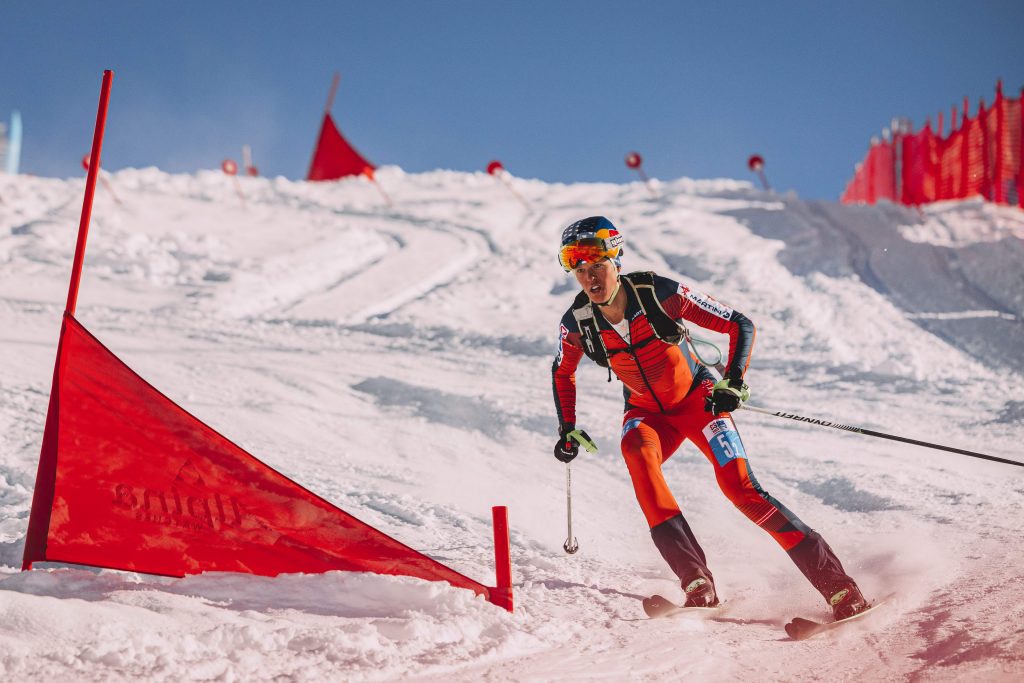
(719, 363)
(583, 439)
(880, 435)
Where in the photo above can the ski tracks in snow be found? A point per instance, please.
(398, 363)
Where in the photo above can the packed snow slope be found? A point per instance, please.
(396, 360)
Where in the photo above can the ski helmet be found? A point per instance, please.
(590, 240)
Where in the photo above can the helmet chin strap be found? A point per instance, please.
(618, 283)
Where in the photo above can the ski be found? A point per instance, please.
(802, 629)
(658, 606)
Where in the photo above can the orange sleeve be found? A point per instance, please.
(701, 309)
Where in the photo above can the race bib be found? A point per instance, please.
(725, 441)
(630, 425)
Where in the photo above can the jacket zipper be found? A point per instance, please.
(632, 352)
(643, 375)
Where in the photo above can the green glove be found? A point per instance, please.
(726, 396)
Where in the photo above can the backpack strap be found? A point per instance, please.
(666, 328)
(593, 344)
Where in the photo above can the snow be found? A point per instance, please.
(395, 360)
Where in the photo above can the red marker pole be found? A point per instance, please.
(756, 164)
(250, 168)
(90, 191)
(368, 172)
(231, 168)
(496, 169)
(635, 162)
(46, 473)
(103, 179)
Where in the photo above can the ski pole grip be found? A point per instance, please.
(501, 594)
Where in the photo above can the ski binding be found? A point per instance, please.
(658, 606)
(802, 629)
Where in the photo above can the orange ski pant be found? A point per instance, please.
(649, 439)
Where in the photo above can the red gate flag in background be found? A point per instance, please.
(127, 479)
(144, 486)
(334, 157)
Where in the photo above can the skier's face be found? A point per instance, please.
(597, 279)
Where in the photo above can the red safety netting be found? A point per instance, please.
(920, 156)
(980, 158)
(950, 179)
(129, 480)
(875, 178)
(334, 157)
(883, 178)
(1009, 160)
(975, 180)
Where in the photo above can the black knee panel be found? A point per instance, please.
(677, 544)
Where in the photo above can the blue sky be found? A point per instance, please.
(557, 90)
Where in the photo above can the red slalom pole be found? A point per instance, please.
(369, 173)
(333, 91)
(635, 162)
(496, 169)
(231, 168)
(90, 191)
(756, 164)
(46, 473)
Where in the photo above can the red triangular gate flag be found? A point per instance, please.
(129, 480)
(334, 157)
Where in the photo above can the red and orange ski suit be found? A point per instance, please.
(665, 390)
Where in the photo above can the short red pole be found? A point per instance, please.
(501, 595)
(90, 190)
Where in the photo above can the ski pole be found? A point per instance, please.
(570, 546)
(880, 435)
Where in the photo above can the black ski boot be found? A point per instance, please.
(700, 592)
(846, 602)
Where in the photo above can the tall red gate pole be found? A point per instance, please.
(46, 473)
(90, 190)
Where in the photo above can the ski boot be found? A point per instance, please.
(700, 592)
(846, 602)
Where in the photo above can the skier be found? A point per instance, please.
(632, 324)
